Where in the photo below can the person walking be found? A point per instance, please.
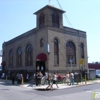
(49, 81)
(54, 81)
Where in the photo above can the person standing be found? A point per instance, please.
(46, 78)
(67, 77)
(71, 78)
(13, 78)
(49, 81)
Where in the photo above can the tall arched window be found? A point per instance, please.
(41, 20)
(56, 52)
(55, 20)
(19, 57)
(41, 42)
(29, 55)
(11, 58)
(70, 52)
(82, 50)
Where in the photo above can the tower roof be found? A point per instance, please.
(51, 7)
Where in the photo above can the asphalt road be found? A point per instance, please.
(15, 92)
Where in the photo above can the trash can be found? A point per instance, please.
(77, 77)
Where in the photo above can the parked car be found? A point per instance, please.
(97, 73)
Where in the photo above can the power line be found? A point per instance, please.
(65, 15)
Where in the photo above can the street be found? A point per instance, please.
(15, 92)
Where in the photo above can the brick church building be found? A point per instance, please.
(49, 47)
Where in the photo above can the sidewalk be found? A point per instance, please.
(61, 86)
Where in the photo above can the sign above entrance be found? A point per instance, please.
(41, 57)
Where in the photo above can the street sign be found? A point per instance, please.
(71, 60)
(81, 61)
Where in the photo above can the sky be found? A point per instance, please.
(17, 17)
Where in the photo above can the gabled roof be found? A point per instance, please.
(51, 7)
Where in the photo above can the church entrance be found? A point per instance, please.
(40, 62)
(40, 66)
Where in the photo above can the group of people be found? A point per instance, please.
(38, 77)
(52, 79)
(17, 77)
(70, 78)
(49, 79)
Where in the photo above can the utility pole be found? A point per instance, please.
(71, 60)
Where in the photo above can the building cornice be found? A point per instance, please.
(70, 31)
(26, 34)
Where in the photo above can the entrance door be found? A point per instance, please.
(40, 66)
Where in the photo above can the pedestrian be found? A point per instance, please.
(71, 78)
(27, 77)
(19, 78)
(37, 76)
(49, 81)
(13, 78)
(40, 78)
(54, 81)
(67, 77)
(46, 78)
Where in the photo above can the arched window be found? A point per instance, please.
(11, 58)
(19, 57)
(41, 42)
(56, 52)
(41, 20)
(55, 20)
(70, 53)
(29, 55)
(82, 50)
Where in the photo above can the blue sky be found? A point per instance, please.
(16, 17)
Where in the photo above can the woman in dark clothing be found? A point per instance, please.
(13, 78)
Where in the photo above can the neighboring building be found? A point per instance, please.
(48, 47)
(0, 57)
(94, 70)
(95, 66)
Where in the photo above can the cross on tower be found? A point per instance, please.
(49, 1)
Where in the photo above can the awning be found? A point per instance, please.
(41, 57)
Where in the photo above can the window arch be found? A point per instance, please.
(70, 52)
(55, 20)
(41, 20)
(82, 50)
(29, 55)
(41, 42)
(19, 57)
(11, 58)
(56, 52)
